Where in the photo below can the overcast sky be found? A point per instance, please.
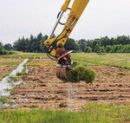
(24, 17)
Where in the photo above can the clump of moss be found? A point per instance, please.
(85, 73)
(72, 75)
(80, 72)
(75, 64)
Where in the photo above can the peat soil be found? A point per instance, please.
(41, 88)
(7, 65)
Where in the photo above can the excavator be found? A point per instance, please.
(54, 45)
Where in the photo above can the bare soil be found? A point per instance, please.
(6, 66)
(41, 88)
(10, 60)
(4, 70)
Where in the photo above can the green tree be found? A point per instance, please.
(1, 46)
(8, 46)
(42, 47)
(20, 44)
(2, 51)
(71, 45)
(82, 45)
(97, 48)
(88, 49)
(108, 49)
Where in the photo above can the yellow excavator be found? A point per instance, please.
(55, 44)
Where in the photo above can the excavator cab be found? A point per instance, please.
(55, 44)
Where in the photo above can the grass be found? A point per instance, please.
(117, 59)
(4, 100)
(5, 73)
(112, 59)
(93, 113)
(9, 63)
(41, 63)
(25, 55)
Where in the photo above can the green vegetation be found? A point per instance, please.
(6, 67)
(72, 76)
(93, 113)
(111, 59)
(32, 44)
(5, 49)
(120, 44)
(36, 44)
(4, 52)
(80, 72)
(13, 78)
(85, 73)
(9, 63)
(25, 55)
(4, 100)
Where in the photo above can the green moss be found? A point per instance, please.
(80, 72)
(75, 64)
(89, 75)
(72, 76)
(85, 73)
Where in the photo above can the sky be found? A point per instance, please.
(101, 18)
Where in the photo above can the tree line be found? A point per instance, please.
(120, 44)
(36, 44)
(5, 49)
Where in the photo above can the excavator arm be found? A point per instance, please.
(76, 11)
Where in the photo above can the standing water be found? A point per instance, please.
(8, 83)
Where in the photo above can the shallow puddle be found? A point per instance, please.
(8, 83)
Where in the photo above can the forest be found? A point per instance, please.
(119, 44)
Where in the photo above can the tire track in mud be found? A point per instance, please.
(42, 89)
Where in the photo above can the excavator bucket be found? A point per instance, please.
(61, 72)
(67, 74)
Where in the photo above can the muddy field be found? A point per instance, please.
(41, 88)
(7, 65)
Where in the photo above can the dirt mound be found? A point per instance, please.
(42, 89)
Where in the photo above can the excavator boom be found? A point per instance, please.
(76, 11)
(55, 44)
